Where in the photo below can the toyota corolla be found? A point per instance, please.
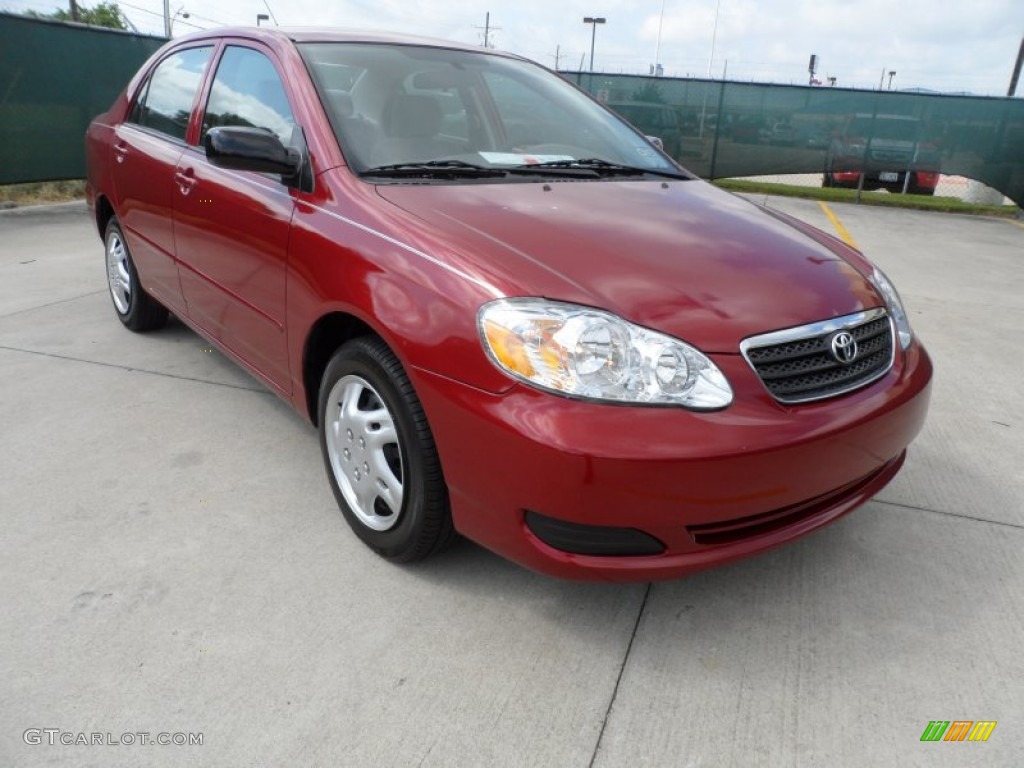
(510, 316)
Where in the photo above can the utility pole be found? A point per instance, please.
(74, 10)
(558, 57)
(1016, 70)
(487, 30)
(881, 80)
(167, 18)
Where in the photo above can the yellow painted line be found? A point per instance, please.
(843, 231)
(1015, 223)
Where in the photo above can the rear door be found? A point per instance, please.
(231, 228)
(147, 146)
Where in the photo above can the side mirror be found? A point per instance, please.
(656, 141)
(251, 149)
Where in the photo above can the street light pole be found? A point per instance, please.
(593, 21)
(714, 35)
(261, 17)
(657, 48)
(892, 74)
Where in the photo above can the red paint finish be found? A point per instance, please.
(231, 238)
(254, 265)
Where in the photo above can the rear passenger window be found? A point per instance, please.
(247, 91)
(165, 101)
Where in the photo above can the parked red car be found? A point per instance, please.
(508, 314)
(887, 149)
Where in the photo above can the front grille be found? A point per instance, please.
(798, 364)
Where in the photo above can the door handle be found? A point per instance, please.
(186, 180)
(121, 151)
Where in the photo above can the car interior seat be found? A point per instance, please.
(412, 127)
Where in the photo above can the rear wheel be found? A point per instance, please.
(380, 454)
(135, 308)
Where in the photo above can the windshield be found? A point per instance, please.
(402, 105)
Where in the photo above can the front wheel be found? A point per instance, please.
(380, 454)
(135, 308)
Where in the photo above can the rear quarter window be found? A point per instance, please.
(165, 100)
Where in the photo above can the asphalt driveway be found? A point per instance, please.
(172, 562)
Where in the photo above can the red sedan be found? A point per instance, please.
(509, 315)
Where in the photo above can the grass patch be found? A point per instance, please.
(39, 192)
(838, 195)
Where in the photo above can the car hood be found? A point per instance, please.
(681, 257)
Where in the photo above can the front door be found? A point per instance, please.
(231, 228)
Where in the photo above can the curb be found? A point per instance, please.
(46, 209)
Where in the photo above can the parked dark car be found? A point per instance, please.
(653, 119)
(885, 148)
(558, 343)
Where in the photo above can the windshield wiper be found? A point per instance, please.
(596, 165)
(451, 169)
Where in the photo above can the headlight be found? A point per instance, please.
(894, 305)
(582, 352)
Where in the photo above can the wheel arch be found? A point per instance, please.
(325, 336)
(104, 212)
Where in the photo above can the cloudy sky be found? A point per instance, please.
(938, 44)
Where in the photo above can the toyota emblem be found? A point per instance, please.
(844, 347)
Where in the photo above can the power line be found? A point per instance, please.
(271, 12)
(155, 13)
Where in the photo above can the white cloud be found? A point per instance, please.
(929, 43)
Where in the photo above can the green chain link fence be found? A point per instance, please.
(54, 78)
(725, 129)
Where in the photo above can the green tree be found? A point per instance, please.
(649, 92)
(101, 15)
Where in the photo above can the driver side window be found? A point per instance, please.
(248, 92)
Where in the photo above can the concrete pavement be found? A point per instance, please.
(172, 560)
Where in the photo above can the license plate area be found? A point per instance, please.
(889, 176)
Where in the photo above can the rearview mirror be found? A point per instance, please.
(251, 149)
(656, 141)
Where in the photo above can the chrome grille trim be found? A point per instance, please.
(794, 353)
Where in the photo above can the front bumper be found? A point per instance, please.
(710, 487)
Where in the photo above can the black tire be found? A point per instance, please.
(135, 308)
(826, 180)
(915, 190)
(423, 525)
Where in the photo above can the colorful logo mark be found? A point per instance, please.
(958, 730)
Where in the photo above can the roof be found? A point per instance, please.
(331, 35)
